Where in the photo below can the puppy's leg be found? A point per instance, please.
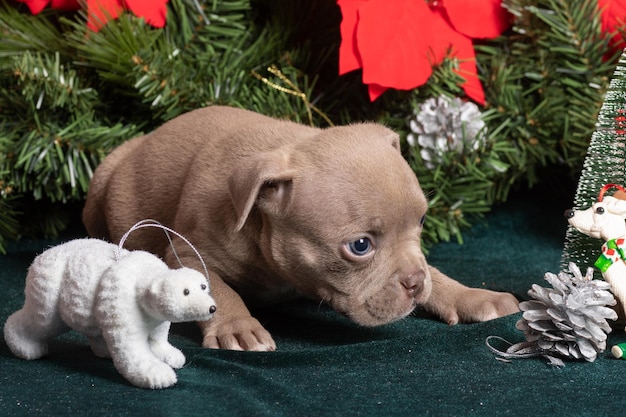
(233, 327)
(453, 302)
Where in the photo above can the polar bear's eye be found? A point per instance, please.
(203, 287)
(186, 291)
(600, 210)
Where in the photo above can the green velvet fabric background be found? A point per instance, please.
(327, 366)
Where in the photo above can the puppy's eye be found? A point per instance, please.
(361, 247)
(203, 287)
(422, 220)
(600, 210)
(186, 291)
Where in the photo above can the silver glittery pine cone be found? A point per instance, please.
(444, 124)
(569, 319)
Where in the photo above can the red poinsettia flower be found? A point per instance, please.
(613, 17)
(397, 43)
(36, 6)
(101, 11)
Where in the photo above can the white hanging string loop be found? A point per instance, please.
(153, 223)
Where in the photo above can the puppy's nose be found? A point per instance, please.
(414, 283)
(569, 213)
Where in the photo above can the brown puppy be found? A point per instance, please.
(273, 206)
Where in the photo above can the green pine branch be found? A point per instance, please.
(68, 96)
(546, 82)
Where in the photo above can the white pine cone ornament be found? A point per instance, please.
(568, 320)
(446, 124)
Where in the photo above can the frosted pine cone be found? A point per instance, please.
(446, 124)
(569, 319)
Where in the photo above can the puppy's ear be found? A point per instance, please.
(394, 139)
(387, 134)
(265, 180)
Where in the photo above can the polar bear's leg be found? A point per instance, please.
(99, 347)
(143, 369)
(27, 334)
(28, 330)
(616, 276)
(162, 349)
(134, 359)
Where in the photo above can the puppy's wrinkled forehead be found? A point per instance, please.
(359, 171)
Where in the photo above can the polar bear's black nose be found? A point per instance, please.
(212, 309)
(569, 213)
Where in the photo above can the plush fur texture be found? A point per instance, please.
(273, 206)
(123, 307)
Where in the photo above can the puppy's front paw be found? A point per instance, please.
(237, 333)
(474, 304)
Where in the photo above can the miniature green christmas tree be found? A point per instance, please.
(605, 163)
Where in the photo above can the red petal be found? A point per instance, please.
(35, 6)
(393, 39)
(154, 11)
(375, 91)
(478, 18)
(349, 57)
(455, 44)
(467, 69)
(65, 4)
(613, 18)
(99, 12)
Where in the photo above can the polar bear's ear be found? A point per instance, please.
(616, 206)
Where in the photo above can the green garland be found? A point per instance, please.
(68, 97)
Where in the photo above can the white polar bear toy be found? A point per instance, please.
(123, 304)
